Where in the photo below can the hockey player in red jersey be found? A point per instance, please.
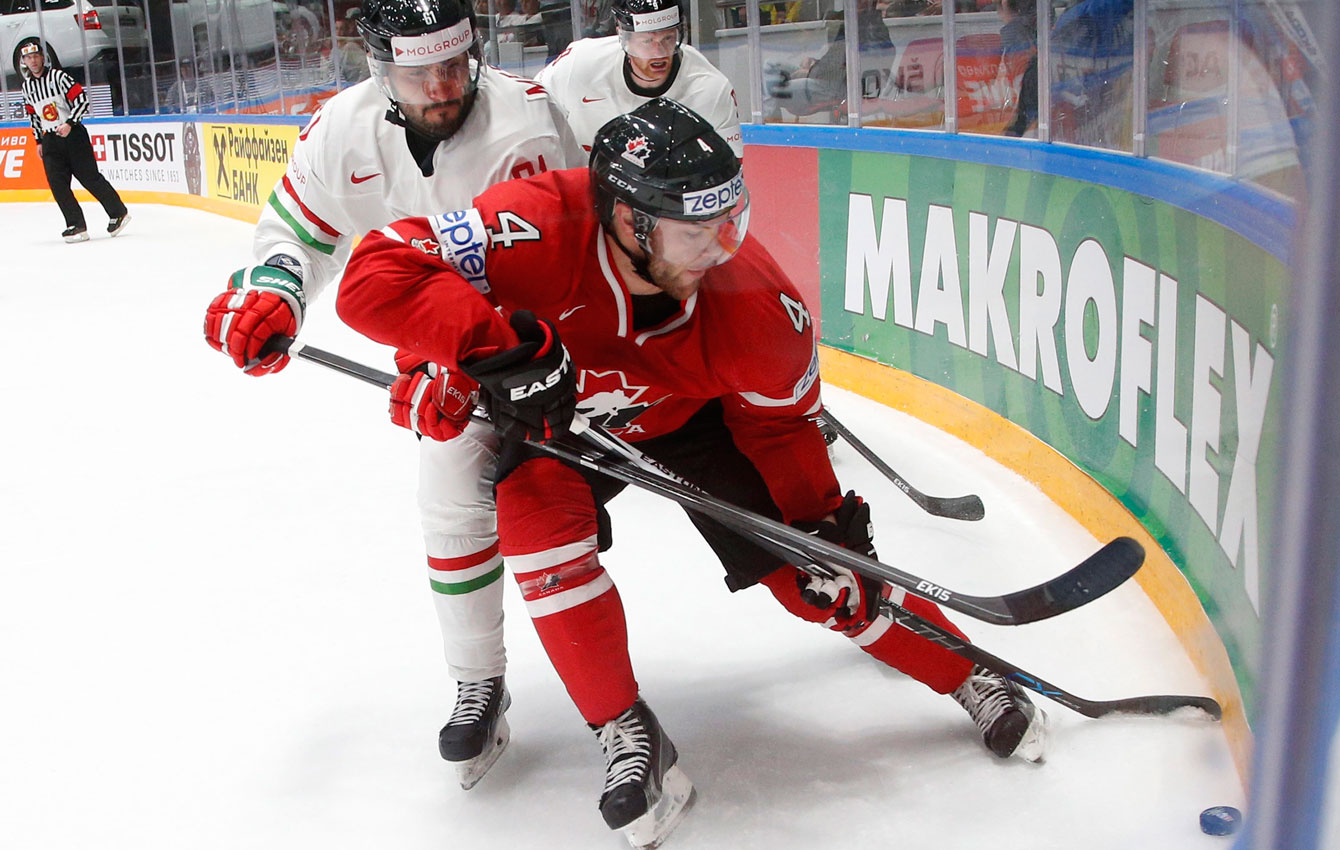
(680, 333)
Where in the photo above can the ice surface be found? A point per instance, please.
(216, 631)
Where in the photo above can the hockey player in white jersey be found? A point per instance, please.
(595, 79)
(431, 129)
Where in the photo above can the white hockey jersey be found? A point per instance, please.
(352, 170)
(588, 81)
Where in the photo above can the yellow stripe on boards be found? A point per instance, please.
(1101, 513)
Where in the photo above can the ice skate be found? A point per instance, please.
(75, 234)
(828, 432)
(1009, 722)
(646, 794)
(477, 732)
(118, 224)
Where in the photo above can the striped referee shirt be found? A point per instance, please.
(52, 99)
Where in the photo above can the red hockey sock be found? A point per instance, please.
(927, 662)
(547, 534)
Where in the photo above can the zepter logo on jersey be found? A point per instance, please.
(717, 199)
(433, 47)
(462, 240)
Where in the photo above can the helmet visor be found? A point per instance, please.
(698, 245)
(651, 44)
(440, 82)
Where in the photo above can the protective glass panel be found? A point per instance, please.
(1280, 66)
(803, 52)
(996, 58)
(1092, 50)
(903, 73)
(1189, 71)
(518, 34)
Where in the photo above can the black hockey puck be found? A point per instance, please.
(1220, 820)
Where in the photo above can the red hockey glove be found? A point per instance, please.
(529, 390)
(261, 302)
(852, 598)
(433, 401)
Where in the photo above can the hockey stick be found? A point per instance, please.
(340, 364)
(625, 455)
(1097, 575)
(968, 507)
(1156, 704)
(1149, 705)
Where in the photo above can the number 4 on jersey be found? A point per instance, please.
(795, 309)
(512, 228)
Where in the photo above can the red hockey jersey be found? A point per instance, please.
(431, 285)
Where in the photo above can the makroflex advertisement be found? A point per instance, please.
(1138, 339)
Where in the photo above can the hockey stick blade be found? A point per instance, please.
(1097, 575)
(968, 508)
(1146, 705)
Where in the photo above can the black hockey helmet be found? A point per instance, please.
(395, 31)
(637, 20)
(415, 35)
(665, 161)
(645, 15)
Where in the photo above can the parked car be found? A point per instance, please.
(76, 31)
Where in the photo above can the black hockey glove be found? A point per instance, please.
(529, 390)
(854, 598)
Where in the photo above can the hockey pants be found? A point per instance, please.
(549, 526)
(461, 539)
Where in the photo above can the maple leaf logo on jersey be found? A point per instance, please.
(608, 400)
(428, 246)
(637, 150)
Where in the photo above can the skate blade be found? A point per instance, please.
(677, 797)
(1032, 747)
(470, 772)
(78, 237)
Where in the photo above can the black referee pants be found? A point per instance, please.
(72, 156)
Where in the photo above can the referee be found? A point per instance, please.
(56, 105)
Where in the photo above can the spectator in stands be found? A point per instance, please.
(189, 93)
(1018, 34)
(353, 58)
(533, 34)
(510, 20)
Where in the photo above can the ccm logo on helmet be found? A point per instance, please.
(434, 46)
(714, 200)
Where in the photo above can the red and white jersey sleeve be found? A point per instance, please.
(430, 286)
(774, 365)
(351, 170)
(587, 81)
